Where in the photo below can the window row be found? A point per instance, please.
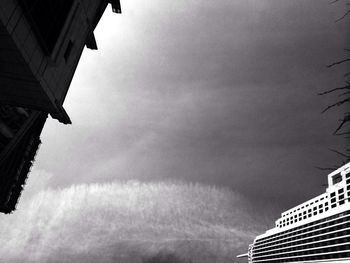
(338, 234)
(308, 252)
(323, 243)
(336, 255)
(335, 225)
(335, 200)
(304, 206)
(298, 229)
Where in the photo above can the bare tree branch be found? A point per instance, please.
(340, 153)
(342, 134)
(334, 1)
(335, 89)
(341, 18)
(340, 126)
(339, 103)
(338, 62)
(345, 93)
(325, 168)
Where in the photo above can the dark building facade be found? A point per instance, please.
(41, 42)
(20, 131)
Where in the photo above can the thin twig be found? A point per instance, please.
(342, 133)
(334, 1)
(332, 90)
(345, 93)
(338, 62)
(340, 153)
(339, 103)
(324, 168)
(343, 121)
(342, 16)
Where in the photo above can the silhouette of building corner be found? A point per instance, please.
(41, 43)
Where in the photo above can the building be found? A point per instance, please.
(20, 131)
(315, 231)
(41, 43)
(40, 46)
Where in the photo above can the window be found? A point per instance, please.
(47, 18)
(336, 179)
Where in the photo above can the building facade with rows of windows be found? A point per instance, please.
(315, 231)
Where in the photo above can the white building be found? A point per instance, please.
(317, 230)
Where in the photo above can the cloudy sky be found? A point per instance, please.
(221, 93)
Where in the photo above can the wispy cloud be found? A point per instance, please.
(125, 222)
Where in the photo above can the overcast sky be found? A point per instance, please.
(219, 92)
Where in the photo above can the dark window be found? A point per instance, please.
(48, 18)
(336, 178)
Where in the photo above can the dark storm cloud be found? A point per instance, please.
(220, 93)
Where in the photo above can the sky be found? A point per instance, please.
(222, 93)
